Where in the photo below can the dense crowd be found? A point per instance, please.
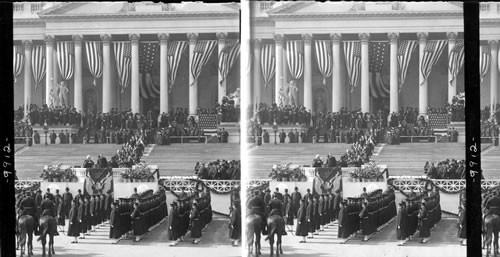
(446, 169)
(228, 110)
(288, 114)
(58, 115)
(489, 129)
(219, 170)
(486, 114)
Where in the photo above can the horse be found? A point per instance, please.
(492, 224)
(48, 225)
(25, 226)
(275, 225)
(253, 229)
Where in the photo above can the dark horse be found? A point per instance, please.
(25, 226)
(253, 229)
(48, 225)
(492, 225)
(275, 225)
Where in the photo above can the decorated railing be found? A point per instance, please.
(176, 184)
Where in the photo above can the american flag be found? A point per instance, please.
(352, 51)
(405, 50)
(147, 56)
(174, 53)
(378, 87)
(295, 58)
(123, 57)
(65, 59)
(202, 52)
(94, 58)
(484, 61)
(267, 63)
(208, 122)
(432, 51)
(18, 61)
(324, 58)
(227, 57)
(38, 64)
(456, 59)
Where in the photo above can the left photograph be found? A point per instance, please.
(127, 134)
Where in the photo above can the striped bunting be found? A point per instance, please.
(123, 58)
(484, 61)
(202, 52)
(352, 51)
(456, 59)
(38, 64)
(267, 62)
(18, 61)
(324, 58)
(432, 51)
(94, 58)
(295, 58)
(147, 56)
(378, 87)
(174, 54)
(65, 59)
(227, 57)
(405, 50)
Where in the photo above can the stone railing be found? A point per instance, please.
(176, 184)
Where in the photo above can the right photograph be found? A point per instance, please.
(490, 118)
(357, 128)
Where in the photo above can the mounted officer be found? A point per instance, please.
(257, 206)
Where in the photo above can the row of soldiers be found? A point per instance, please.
(147, 211)
(377, 210)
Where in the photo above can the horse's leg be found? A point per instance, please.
(44, 241)
(51, 243)
(279, 243)
(30, 244)
(257, 244)
(271, 243)
(495, 243)
(488, 241)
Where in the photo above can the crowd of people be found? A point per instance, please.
(288, 114)
(57, 115)
(446, 169)
(219, 170)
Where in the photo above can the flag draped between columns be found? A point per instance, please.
(324, 58)
(268, 62)
(38, 64)
(227, 57)
(484, 61)
(432, 52)
(65, 59)
(378, 87)
(405, 50)
(456, 60)
(18, 61)
(147, 55)
(123, 59)
(94, 58)
(295, 58)
(174, 53)
(201, 54)
(352, 51)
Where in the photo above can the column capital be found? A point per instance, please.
(27, 44)
(393, 37)
(452, 36)
(192, 37)
(77, 40)
(257, 44)
(336, 37)
(49, 40)
(307, 38)
(163, 37)
(422, 36)
(106, 39)
(493, 45)
(278, 39)
(221, 37)
(364, 37)
(134, 38)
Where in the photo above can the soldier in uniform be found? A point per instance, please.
(196, 227)
(113, 221)
(310, 216)
(82, 218)
(257, 206)
(74, 223)
(173, 224)
(301, 229)
(365, 226)
(296, 197)
(282, 136)
(278, 194)
(267, 198)
(53, 137)
(423, 215)
(235, 223)
(342, 220)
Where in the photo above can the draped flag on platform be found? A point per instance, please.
(405, 50)
(147, 56)
(327, 180)
(227, 57)
(456, 59)
(202, 52)
(65, 59)
(18, 61)
(38, 64)
(94, 58)
(267, 63)
(352, 51)
(432, 51)
(98, 181)
(378, 87)
(174, 53)
(324, 58)
(295, 58)
(484, 61)
(123, 58)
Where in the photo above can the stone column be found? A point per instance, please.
(256, 71)
(394, 89)
(27, 76)
(78, 90)
(494, 76)
(164, 72)
(452, 87)
(422, 88)
(337, 97)
(221, 88)
(107, 94)
(365, 73)
(135, 96)
(278, 39)
(308, 95)
(193, 84)
(49, 67)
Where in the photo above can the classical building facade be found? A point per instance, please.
(490, 38)
(383, 35)
(125, 55)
